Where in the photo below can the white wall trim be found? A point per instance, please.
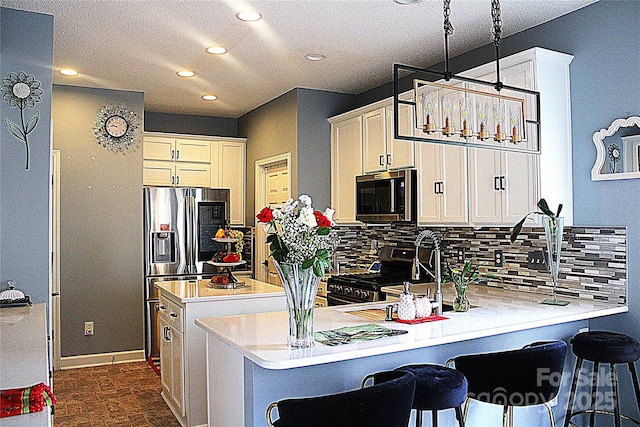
(87, 360)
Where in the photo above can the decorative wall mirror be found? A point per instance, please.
(618, 157)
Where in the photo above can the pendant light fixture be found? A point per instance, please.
(459, 110)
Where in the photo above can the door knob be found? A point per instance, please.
(265, 263)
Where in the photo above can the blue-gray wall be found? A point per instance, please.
(193, 125)
(314, 141)
(101, 246)
(26, 44)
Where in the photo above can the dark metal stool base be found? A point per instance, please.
(592, 411)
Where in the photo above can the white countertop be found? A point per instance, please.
(262, 337)
(198, 291)
(23, 355)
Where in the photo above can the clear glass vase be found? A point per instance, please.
(300, 287)
(553, 228)
(461, 303)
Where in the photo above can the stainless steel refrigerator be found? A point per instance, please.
(179, 226)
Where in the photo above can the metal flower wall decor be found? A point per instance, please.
(23, 91)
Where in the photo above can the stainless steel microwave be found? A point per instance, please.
(386, 196)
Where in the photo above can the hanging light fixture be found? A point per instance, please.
(458, 110)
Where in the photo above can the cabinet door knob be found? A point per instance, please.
(177, 154)
(503, 180)
(496, 183)
(381, 159)
(173, 153)
(165, 334)
(177, 180)
(161, 307)
(388, 159)
(435, 187)
(173, 314)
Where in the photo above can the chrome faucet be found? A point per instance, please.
(437, 274)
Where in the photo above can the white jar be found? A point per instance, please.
(423, 307)
(406, 308)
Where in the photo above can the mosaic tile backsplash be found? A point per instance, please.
(593, 260)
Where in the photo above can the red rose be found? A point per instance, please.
(322, 220)
(265, 215)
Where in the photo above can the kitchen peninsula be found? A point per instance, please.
(249, 364)
(182, 344)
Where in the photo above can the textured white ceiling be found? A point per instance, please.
(140, 44)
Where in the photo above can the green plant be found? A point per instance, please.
(461, 278)
(544, 207)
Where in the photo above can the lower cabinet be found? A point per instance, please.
(172, 355)
(183, 357)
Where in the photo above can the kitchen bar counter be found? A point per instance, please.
(262, 337)
(248, 357)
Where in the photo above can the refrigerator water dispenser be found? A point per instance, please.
(163, 247)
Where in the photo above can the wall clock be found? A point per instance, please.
(116, 128)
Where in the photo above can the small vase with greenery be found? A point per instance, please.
(553, 226)
(461, 279)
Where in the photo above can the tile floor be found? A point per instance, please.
(126, 394)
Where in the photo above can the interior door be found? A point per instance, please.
(275, 189)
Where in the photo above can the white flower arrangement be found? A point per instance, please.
(298, 234)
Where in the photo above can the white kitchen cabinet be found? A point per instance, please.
(173, 174)
(346, 164)
(374, 141)
(381, 151)
(175, 162)
(172, 354)
(522, 179)
(228, 170)
(442, 184)
(503, 186)
(182, 350)
(175, 149)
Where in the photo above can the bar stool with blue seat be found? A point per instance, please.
(386, 404)
(528, 376)
(603, 347)
(437, 388)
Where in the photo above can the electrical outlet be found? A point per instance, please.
(498, 258)
(461, 255)
(537, 260)
(88, 328)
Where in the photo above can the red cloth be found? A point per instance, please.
(19, 401)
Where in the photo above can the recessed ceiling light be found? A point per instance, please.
(407, 1)
(315, 56)
(216, 50)
(248, 16)
(186, 73)
(209, 97)
(68, 72)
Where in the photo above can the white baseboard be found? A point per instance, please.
(86, 360)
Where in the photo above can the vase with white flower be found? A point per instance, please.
(301, 243)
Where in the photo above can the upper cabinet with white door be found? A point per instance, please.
(381, 151)
(228, 170)
(346, 164)
(505, 186)
(175, 162)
